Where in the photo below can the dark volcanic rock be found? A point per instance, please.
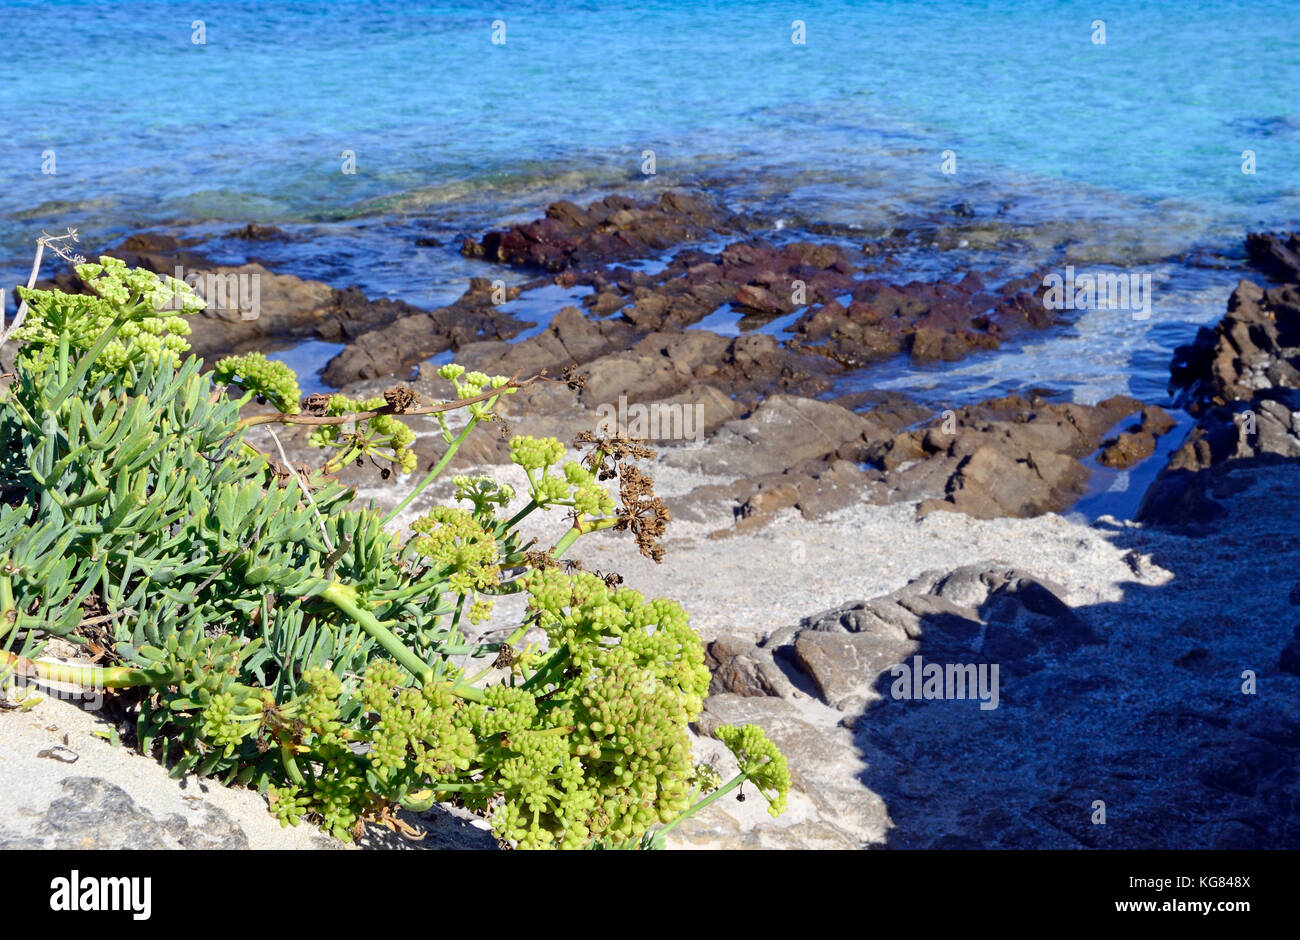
(640, 316)
(1241, 380)
(252, 232)
(757, 278)
(1278, 256)
(645, 350)
(618, 360)
(614, 229)
(1011, 456)
(158, 252)
(400, 336)
(1138, 441)
(1254, 349)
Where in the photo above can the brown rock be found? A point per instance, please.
(845, 667)
(1242, 382)
(783, 432)
(740, 667)
(614, 229)
(1275, 255)
(1157, 421)
(1127, 449)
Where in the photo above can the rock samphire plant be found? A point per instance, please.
(266, 630)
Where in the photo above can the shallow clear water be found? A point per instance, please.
(308, 358)
(1128, 152)
(540, 305)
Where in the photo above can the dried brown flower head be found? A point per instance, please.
(400, 398)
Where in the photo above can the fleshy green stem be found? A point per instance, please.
(552, 668)
(8, 611)
(441, 465)
(83, 366)
(291, 767)
(344, 597)
(715, 795)
(519, 516)
(94, 677)
(581, 528)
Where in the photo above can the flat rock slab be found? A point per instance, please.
(781, 432)
(95, 813)
(61, 786)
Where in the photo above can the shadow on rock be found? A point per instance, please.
(1136, 713)
(987, 711)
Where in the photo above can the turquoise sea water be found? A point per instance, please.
(1128, 152)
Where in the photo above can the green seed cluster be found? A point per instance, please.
(760, 760)
(535, 453)
(457, 541)
(577, 488)
(272, 380)
(587, 495)
(592, 746)
(423, 730)
(413, 738)
(136, 300)
(220, 724)
(307, 730)
(372, 436)
(112, 280)
(156, 339)
(581, 612)
(574, 486)
(473, 384)
(631, 679)
(318, 706)
(339, 793)
(483, 491)
(288, 804)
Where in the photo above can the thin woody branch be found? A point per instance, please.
(319, 420)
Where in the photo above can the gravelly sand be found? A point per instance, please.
(751, 584)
